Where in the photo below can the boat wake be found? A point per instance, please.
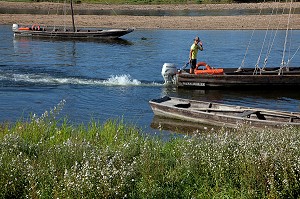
(47, 80)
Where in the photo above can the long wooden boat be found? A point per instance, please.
(275, 77)
(218, 114)
(246, 78)
(281, 75)
(37, 31)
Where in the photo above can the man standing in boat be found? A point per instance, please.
(197, 45)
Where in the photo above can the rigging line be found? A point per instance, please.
(290, 59)
(263, 44)
(247, 49)
(290, 47)
(65, 13)
(57, 13)
(112, 9)
(285, 41)
(271, 42)
(293, 55)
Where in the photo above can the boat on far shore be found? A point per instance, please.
(217, 114)
(38, 31)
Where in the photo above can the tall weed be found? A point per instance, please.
(48, 157)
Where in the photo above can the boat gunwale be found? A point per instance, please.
(159, 109)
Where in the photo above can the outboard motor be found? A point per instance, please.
(168, 72)
(15, 26)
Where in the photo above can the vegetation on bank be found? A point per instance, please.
(147, 1)
(46, 157)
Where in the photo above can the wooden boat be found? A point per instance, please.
(38, 31)
(245, 78)
(208, 77)
(218, 114)
(260, 76)
(54, 33)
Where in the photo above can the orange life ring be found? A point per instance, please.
(207, 69)
(23, 28)
(35, 27)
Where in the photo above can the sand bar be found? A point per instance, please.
(240, 22)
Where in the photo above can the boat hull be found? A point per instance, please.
(221, 114)
(246, 79)
(101, 34)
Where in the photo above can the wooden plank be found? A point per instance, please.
(217, 110)
(247, 113)
(278, 114)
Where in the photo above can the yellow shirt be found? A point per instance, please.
(194, 49)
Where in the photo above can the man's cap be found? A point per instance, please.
(197, 39)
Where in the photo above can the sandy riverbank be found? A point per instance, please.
(156, 22)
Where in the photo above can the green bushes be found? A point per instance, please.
(50, 158)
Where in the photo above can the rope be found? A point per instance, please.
(112, 9)
(263, 45)
(65, 14)
(293, 55)
(243, 61)
(247, 49)
(285, 41)
(290, 59)
(271, 42)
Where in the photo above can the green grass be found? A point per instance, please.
(47, 157)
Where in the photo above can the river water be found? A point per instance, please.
(104, 80)
(187, 12)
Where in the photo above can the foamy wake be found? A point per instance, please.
(114, 80)
(122, 80)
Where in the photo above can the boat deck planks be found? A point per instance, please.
(221, 114)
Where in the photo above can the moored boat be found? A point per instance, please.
(218, 114)
(284, 74)
(233, 78)
(38, 31)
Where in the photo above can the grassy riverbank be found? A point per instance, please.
(44, 157)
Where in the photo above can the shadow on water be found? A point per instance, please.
(237, 93)
(180, 126)
(220, 94)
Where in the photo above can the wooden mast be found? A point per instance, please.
(72, 16)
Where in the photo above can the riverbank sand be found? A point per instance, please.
(240, 22)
